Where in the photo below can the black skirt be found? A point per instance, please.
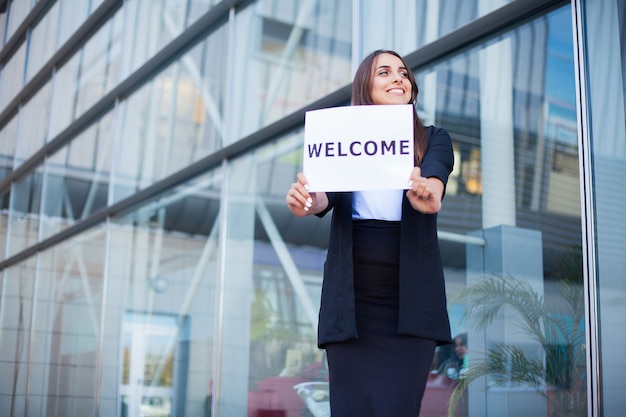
(382, 373)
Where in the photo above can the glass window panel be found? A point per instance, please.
(32, 136)
(516, 297)
(8, 138)
(605, 59)
(406, 25)
(24, 211)
(87, 76)
(77, 178)
(154, 24)
(12, 76)
(72, 15)
(174, 120)
(18, 10)
(42, 41)
(99, 64)
(64, 95)
(288, 54)
(198, 8)
(94, 4)
(161, 307)
(66, 344)
(4, 224)
(16, 319)
(198, 118)
(271, 297)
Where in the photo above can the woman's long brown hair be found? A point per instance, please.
(361, 95)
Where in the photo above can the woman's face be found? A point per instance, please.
(459, 348)
(390, 81)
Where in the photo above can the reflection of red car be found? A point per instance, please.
(276, 397)
(438, 390)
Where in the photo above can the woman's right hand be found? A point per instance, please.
(301, 202)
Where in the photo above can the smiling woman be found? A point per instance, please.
(383, 304)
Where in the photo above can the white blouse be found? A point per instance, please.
(377, 204)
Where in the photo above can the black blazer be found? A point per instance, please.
(423, 311)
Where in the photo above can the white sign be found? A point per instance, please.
(358, 148)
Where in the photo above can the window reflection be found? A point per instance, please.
(67, 310)
(99, 65)
(76, 183)
(16, 319)
(43, 41)
(531, 225)
(288, 55)
(174, 120)
(8, 139)
(536, 252)
(32, 136)
(272, 291)
(406, 25)
(17, 11)
(12, 76)
(72, 15)
(605, 60)
(162, 286)
(25, 206)
(197, 8)
(151, 356)
(154, 24)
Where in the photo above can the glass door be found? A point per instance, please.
(148, 356)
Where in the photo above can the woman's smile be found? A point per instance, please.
(396, 91)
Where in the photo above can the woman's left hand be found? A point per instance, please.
(425, 194)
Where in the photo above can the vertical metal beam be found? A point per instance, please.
(219, 291)
(590, 279)
(356, 35)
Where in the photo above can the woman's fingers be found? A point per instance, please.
(419, 185)
(298, 198)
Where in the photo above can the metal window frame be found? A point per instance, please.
(588, 224)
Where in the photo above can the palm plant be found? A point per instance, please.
(559, 331)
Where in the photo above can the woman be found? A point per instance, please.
(383, 305)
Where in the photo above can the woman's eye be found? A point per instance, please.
(383, 73)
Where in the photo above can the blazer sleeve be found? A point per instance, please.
(439, 158)
(332, 200)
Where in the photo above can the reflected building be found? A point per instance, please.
(150, 267)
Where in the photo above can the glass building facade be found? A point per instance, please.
(149, 265)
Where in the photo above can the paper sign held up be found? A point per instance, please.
(358, 148)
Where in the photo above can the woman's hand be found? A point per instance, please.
(301, 202)
(425, 194)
